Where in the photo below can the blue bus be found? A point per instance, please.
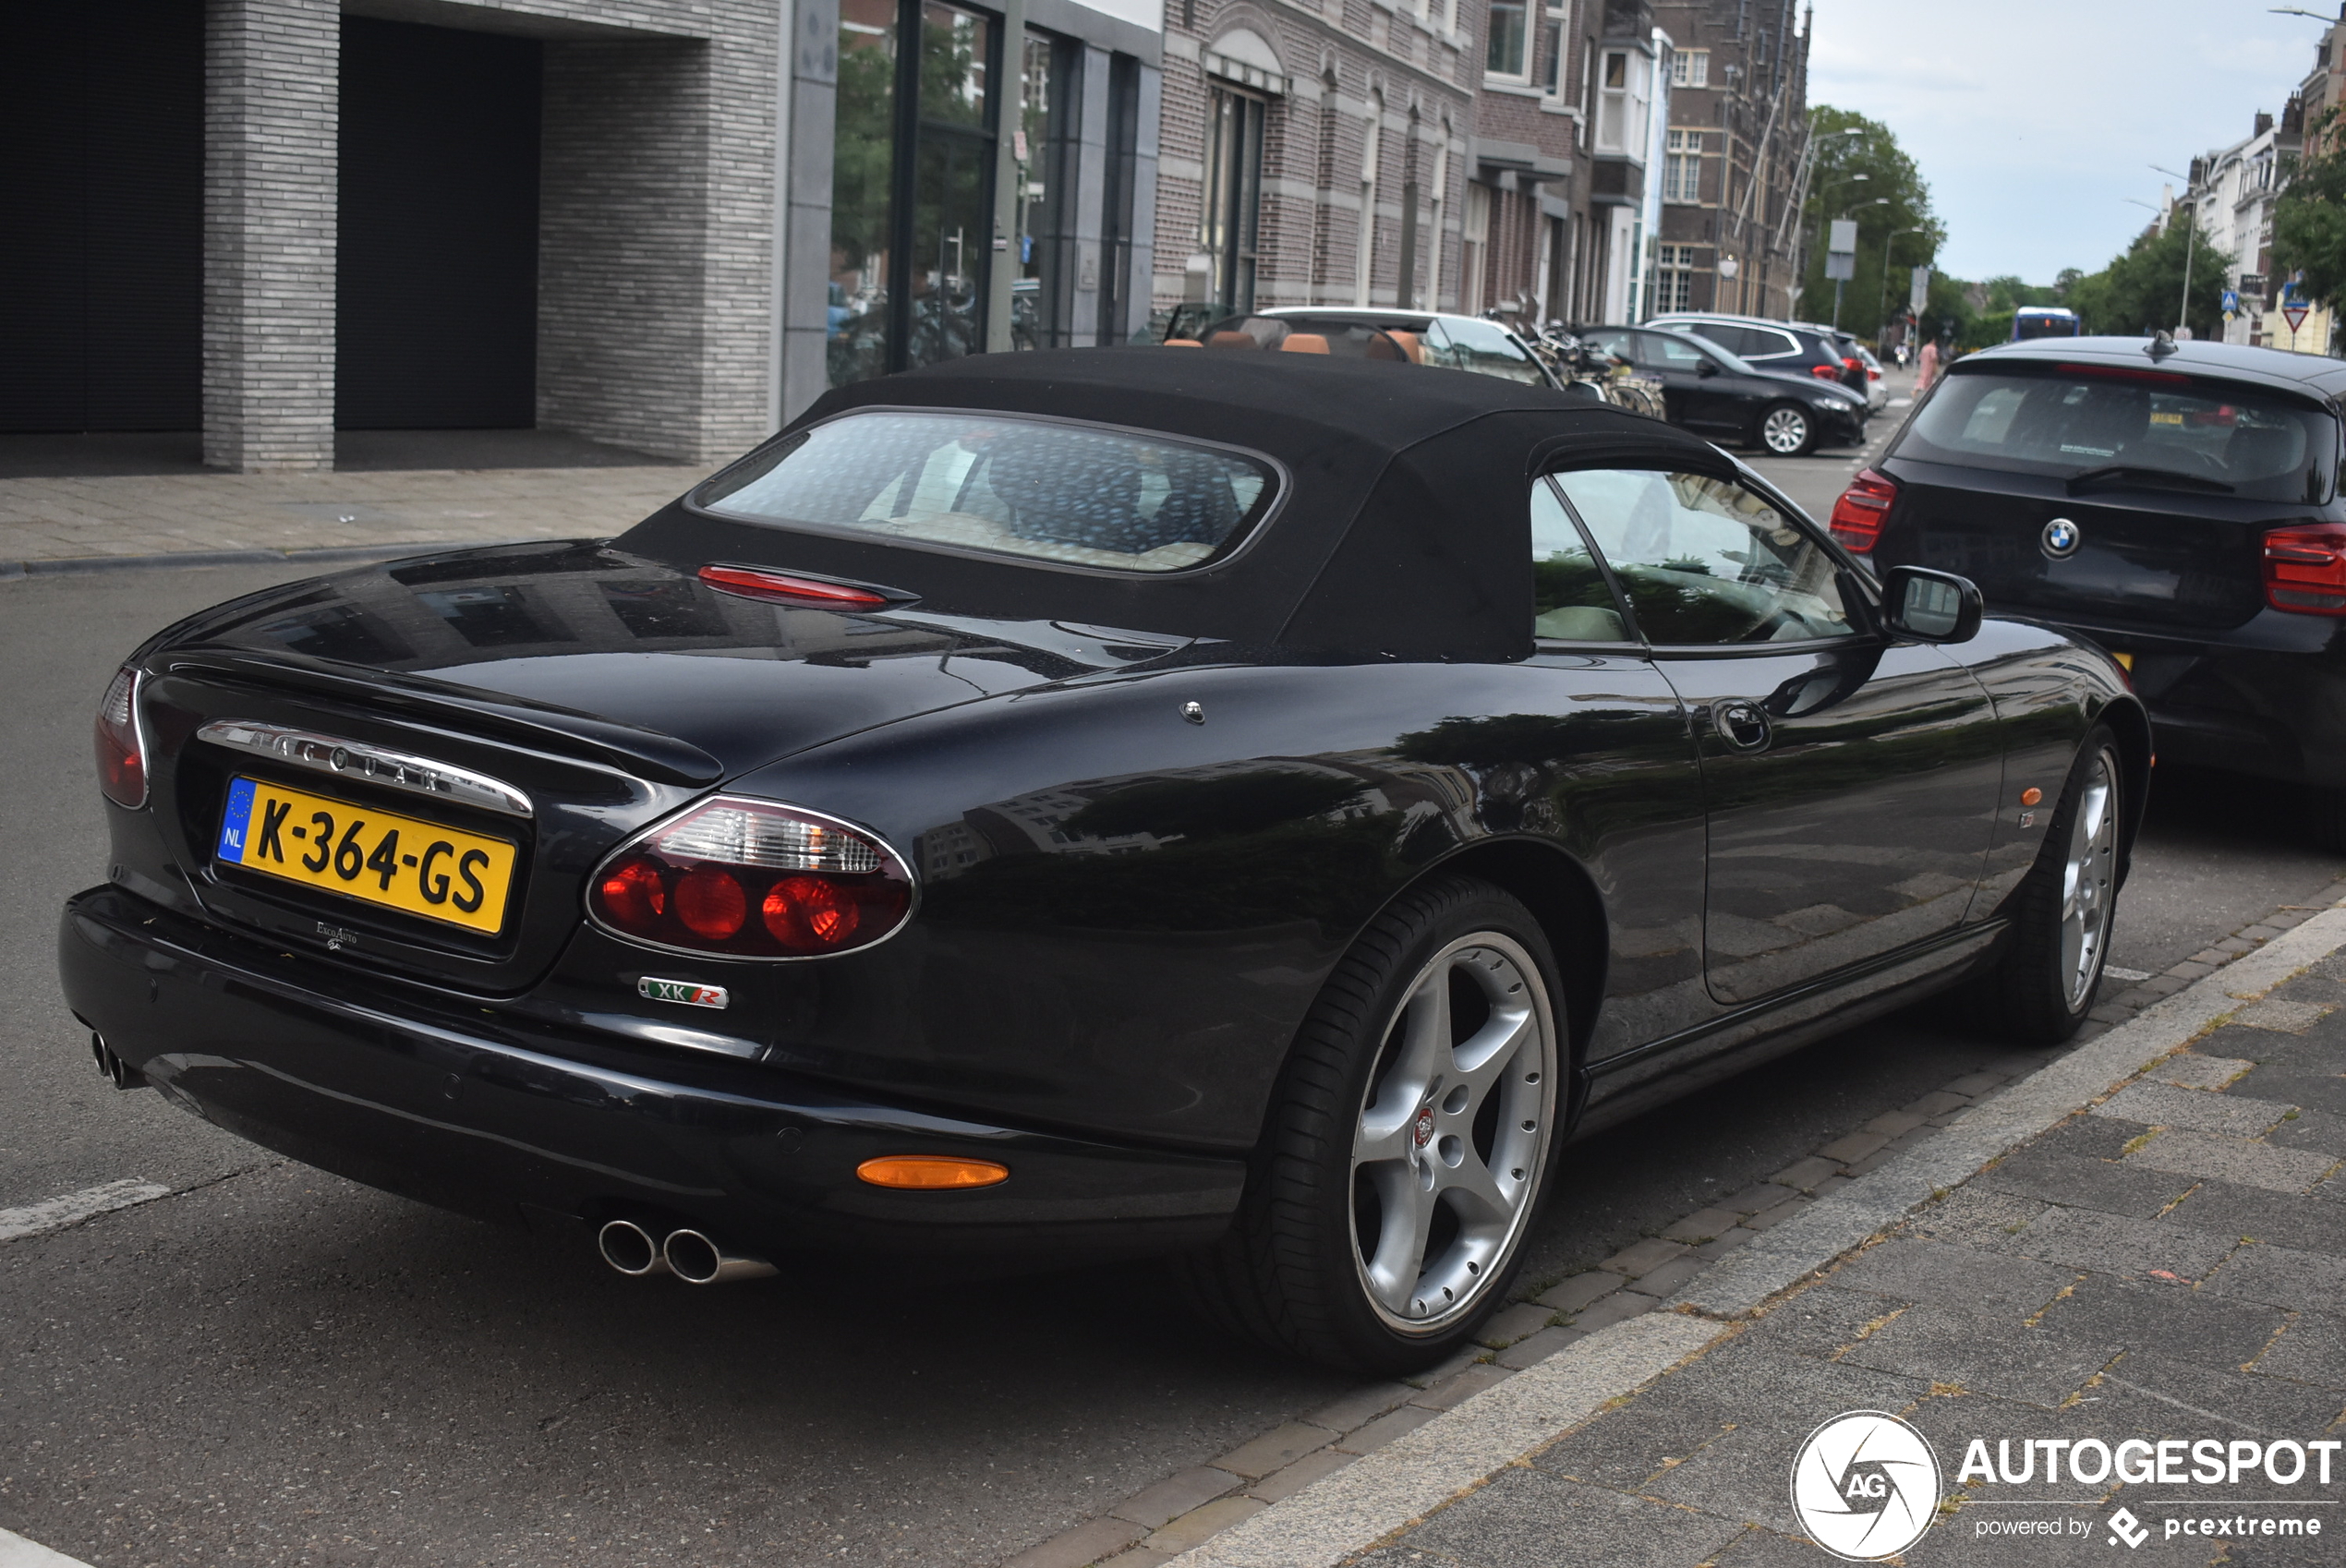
(2043, 321)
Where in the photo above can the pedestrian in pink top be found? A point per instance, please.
(1927, 365)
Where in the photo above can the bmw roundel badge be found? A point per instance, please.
(2060, 539)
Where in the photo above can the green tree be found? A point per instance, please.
(1835, 188)
(2309, 221)
(2139, 291)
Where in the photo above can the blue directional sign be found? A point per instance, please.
(2231, 300)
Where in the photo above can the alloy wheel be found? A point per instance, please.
(1453, 1132)
(1785, 431)
(2088, 877)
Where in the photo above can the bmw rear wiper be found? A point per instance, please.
(2122, 475)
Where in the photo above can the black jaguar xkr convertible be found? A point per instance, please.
(1253, 808)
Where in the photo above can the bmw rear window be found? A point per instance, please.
(1044, 490)
(2154, 427)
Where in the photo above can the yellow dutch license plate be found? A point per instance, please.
(377, 857)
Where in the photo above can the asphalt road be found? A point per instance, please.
(276, 1366)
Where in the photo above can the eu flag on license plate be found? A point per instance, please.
(235, 822)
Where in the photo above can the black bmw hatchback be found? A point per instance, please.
(2176, 502)
(1248, 806)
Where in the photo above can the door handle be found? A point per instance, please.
(1742, 724)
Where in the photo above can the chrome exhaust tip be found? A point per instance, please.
(695, 1260)
(116, 1071)
(630, 1248)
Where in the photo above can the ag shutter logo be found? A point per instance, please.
(1864, 1485)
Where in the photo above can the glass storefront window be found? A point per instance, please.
(863, 168)
(1040, 301)
(913, 186)
(1227, 226)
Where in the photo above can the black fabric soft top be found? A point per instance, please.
(1403, 531)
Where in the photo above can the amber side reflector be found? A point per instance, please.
(2031, 795)
(931, 1172)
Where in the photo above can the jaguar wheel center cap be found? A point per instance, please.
(1423, 1131)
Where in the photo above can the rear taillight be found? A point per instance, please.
(1825, 372)
(1873, 374)
(122, 744)
(2306, 569)
(1852, 363)
(753, 879)
(1857, 515)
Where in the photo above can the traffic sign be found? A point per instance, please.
(2294, 313)
(2232, 301)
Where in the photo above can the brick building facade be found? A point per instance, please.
(1732, 158)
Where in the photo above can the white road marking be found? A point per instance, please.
(17, 1552)
(56, 1213)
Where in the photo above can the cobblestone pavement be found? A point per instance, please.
(53, 523)
(2068, 1267)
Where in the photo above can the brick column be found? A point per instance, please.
(270, 99)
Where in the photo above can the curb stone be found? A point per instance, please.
(1335, 1519)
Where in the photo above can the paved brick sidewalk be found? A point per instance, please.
(2170, 1264)
(47, 523)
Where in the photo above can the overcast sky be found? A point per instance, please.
(2033, 120)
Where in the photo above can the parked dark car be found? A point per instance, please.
(2179, 507)
(1083, 802)
(1715, 393)
(1802, 347)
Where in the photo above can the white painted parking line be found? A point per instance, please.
(55, 1214)
(17, 1552)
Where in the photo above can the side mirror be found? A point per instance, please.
(1706, 368)
(1929, 607)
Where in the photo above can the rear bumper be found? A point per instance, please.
(2268, 712)
(450, 1104)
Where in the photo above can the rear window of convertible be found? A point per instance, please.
(1038, 489)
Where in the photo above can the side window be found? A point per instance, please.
(1676, 353)
(1766, 344)
(1571, 600)
(1487, 348)
(1733, 339)
(1613, 339)
(1704, 560)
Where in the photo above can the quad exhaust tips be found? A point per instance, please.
(687, 1254)
(119, 1073)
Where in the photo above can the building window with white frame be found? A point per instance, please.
(1690, 67)
(1552, 50)
(1507, 52)
(1622, 91)
(1673, 278)
(1682, 167)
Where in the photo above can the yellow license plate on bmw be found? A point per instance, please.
(377, 857)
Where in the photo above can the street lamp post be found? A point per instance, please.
(2191, 244)
(1882, 304)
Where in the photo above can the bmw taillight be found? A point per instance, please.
(753, 879)
(122, 744)
(1825, 372)
(1857, 515)
(2306, 569)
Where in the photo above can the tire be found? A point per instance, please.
(1401, 1171)
(1785, 430)
(2043, 984)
